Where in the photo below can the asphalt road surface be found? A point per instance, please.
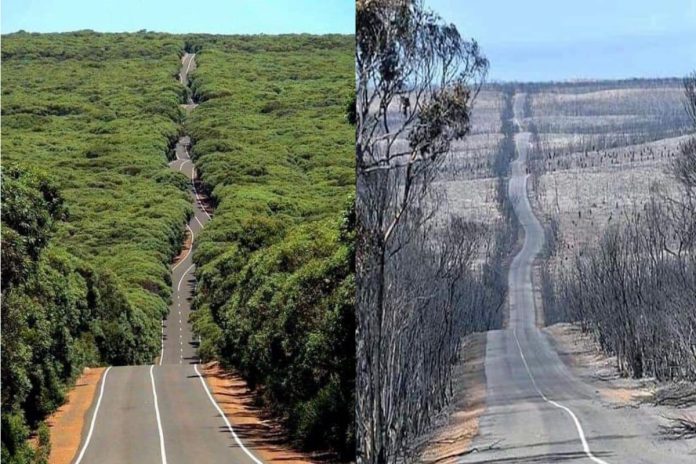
(164, 413)
(537, 411)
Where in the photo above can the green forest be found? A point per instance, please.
(92, 217)
(88, 122)
(275, 151)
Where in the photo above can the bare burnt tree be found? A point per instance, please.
(684, 166)
(636, 291)
(410, 274)
(690, 91)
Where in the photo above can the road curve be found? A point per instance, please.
(537, 411)
(164, 413)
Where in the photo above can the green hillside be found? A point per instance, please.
(92, 217)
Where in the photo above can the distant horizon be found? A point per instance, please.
(547, 40)
(581, 80)
(569, 80)
(538, 41)
(150, 31)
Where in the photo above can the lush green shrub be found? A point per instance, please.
(101, 113)
(43, 443)
(47, 313)
(15, 448)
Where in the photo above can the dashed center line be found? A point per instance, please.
(184, 159)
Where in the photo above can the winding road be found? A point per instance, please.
(537, 411)
(165, 413)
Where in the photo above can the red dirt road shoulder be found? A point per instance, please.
(185, 249)
(264, 436)
(68, 421)
(453, 437)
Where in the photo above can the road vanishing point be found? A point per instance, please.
(537, 411)
(165, 413)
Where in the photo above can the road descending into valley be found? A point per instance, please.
(537, 411)
(165, 413)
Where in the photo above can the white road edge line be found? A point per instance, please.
(581, 432)
(224, 417)
(195, 193)
(162, 343)
(159, 421)
(193, 176)
(191, 57)
(178, 287)
(189, 250)
(94, 417)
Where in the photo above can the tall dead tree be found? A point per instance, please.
(690, 91)
(404, 51)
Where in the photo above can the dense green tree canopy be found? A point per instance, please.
(100, 113)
